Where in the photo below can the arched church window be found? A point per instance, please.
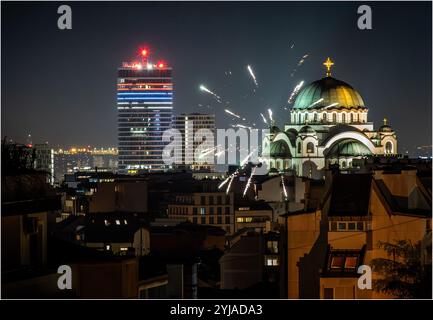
(299, 118)
(315, 117)
(334, 117)
(343, 164)
(343, 118)
(299, 147)
(388, 147)
(310, 147)
(351, 117)
(324, 117)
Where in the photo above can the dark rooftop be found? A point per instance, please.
(350, 195)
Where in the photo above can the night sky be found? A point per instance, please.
(60, 85)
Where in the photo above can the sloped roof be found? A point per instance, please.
(350, 195)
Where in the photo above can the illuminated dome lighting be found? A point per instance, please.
(279, 149)
(348, 148)
(326, 92)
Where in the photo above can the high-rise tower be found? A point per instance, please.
(145, 104)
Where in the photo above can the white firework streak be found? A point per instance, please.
(230, 184)
(332, 105)
(295, 91)
(316, 102)
(270, 114)
(219, 153)
(220, 150)
(284, 187)
(203, 88)
(224, 182)
(242, 126)
(232, 113)
(305, 56)
(249, 182)
(206, 152)
(245, 161)
(250, 70)
(264, 119)
(302, 60)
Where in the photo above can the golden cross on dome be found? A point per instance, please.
(385, 121)
(328, 64)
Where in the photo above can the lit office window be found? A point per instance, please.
(272, 262)
(273, 246)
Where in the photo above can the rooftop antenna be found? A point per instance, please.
(144, 54)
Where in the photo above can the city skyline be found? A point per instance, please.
(376, 62)
(216, 151)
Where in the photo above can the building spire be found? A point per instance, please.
(328, 64)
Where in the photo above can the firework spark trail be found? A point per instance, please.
(230, 184)
(232, 113)
(249, 181)
(332, 105)
(250, 70)
(245, 161)
(206, 152)
(300, 62)
(223, 183)
(218, 98)
(284, 187)
(270, 115)
(264, 119)
(220, 153)
(220, 150)
(295, 92)
(316, 102)
(242, 126)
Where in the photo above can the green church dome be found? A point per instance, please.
(332, 91)
(347, 148)
(279, 149)
(306, 129)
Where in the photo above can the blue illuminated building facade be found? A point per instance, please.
(145, 105)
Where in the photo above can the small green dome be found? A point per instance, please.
(280, 149)
(347, 148)
(306, 129)
(385, 128)
(331, 91)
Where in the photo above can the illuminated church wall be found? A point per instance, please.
(326, 113)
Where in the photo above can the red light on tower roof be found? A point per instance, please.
(161, 64)
(144, 52)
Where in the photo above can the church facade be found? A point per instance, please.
(328, 125)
